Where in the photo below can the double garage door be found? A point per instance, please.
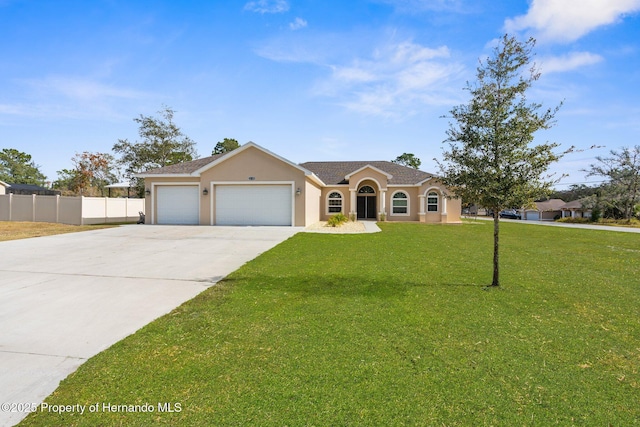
(253, 204)
(233, 204)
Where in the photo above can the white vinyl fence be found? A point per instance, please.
(69, 210)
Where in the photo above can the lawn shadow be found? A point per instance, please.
(466, 285)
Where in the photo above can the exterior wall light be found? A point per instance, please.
(205, 192)
(147, 191)
(298, 191)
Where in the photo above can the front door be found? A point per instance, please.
(366, 207)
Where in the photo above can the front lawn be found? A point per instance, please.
(393, 328)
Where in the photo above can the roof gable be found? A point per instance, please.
(368, 166)
(196, 167)
(245, 147)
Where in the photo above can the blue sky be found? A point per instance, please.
(309, 80)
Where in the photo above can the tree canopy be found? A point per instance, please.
(225, 146)
(408, 159)
(162, 143)
(90, 174)
(491, 159)
(17, 167)
(622, 171)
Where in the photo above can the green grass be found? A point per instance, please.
(393, 328)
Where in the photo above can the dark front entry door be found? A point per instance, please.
(366, 207)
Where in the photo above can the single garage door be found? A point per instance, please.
(178, 204)
(533, 216)
(253, 204)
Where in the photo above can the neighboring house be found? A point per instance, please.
(29, 189)
(253, 186)
(3, 187)
(119, 186)
(548, 210)
(574, 209)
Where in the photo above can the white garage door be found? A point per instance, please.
(178, 204)
(533, 216)
(253, 204)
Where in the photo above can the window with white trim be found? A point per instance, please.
(334, 202)
(400, 203)
(432, 202)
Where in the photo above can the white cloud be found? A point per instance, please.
(354, 74)
(267, 6)
(568, 62)
(305, 47)
(280, 51)
(568, 20)
(394, 81)
(297, 24)
(68, 97)
(80, 89)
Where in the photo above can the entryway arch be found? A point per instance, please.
(367, 202)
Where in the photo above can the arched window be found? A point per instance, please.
(400, 203)
(432, 202)
(366, 190)
(334, 202)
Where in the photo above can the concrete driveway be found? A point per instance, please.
(65, 298)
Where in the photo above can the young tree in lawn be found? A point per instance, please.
(622, 169)
(408, 159)
(491, 160)
(162, 144)
(17, 167)
(225, 146)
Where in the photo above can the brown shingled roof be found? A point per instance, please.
(184, 168)
(550, 205)
(333, 173)
(575, 204)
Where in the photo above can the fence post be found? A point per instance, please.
(10, 206)
(57, 208)
(33, 208)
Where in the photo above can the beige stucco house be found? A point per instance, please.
(253, 186)
(548, 210)
(575, 209)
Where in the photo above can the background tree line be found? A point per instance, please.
(161, 143)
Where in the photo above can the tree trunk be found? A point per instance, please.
(496, 254)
